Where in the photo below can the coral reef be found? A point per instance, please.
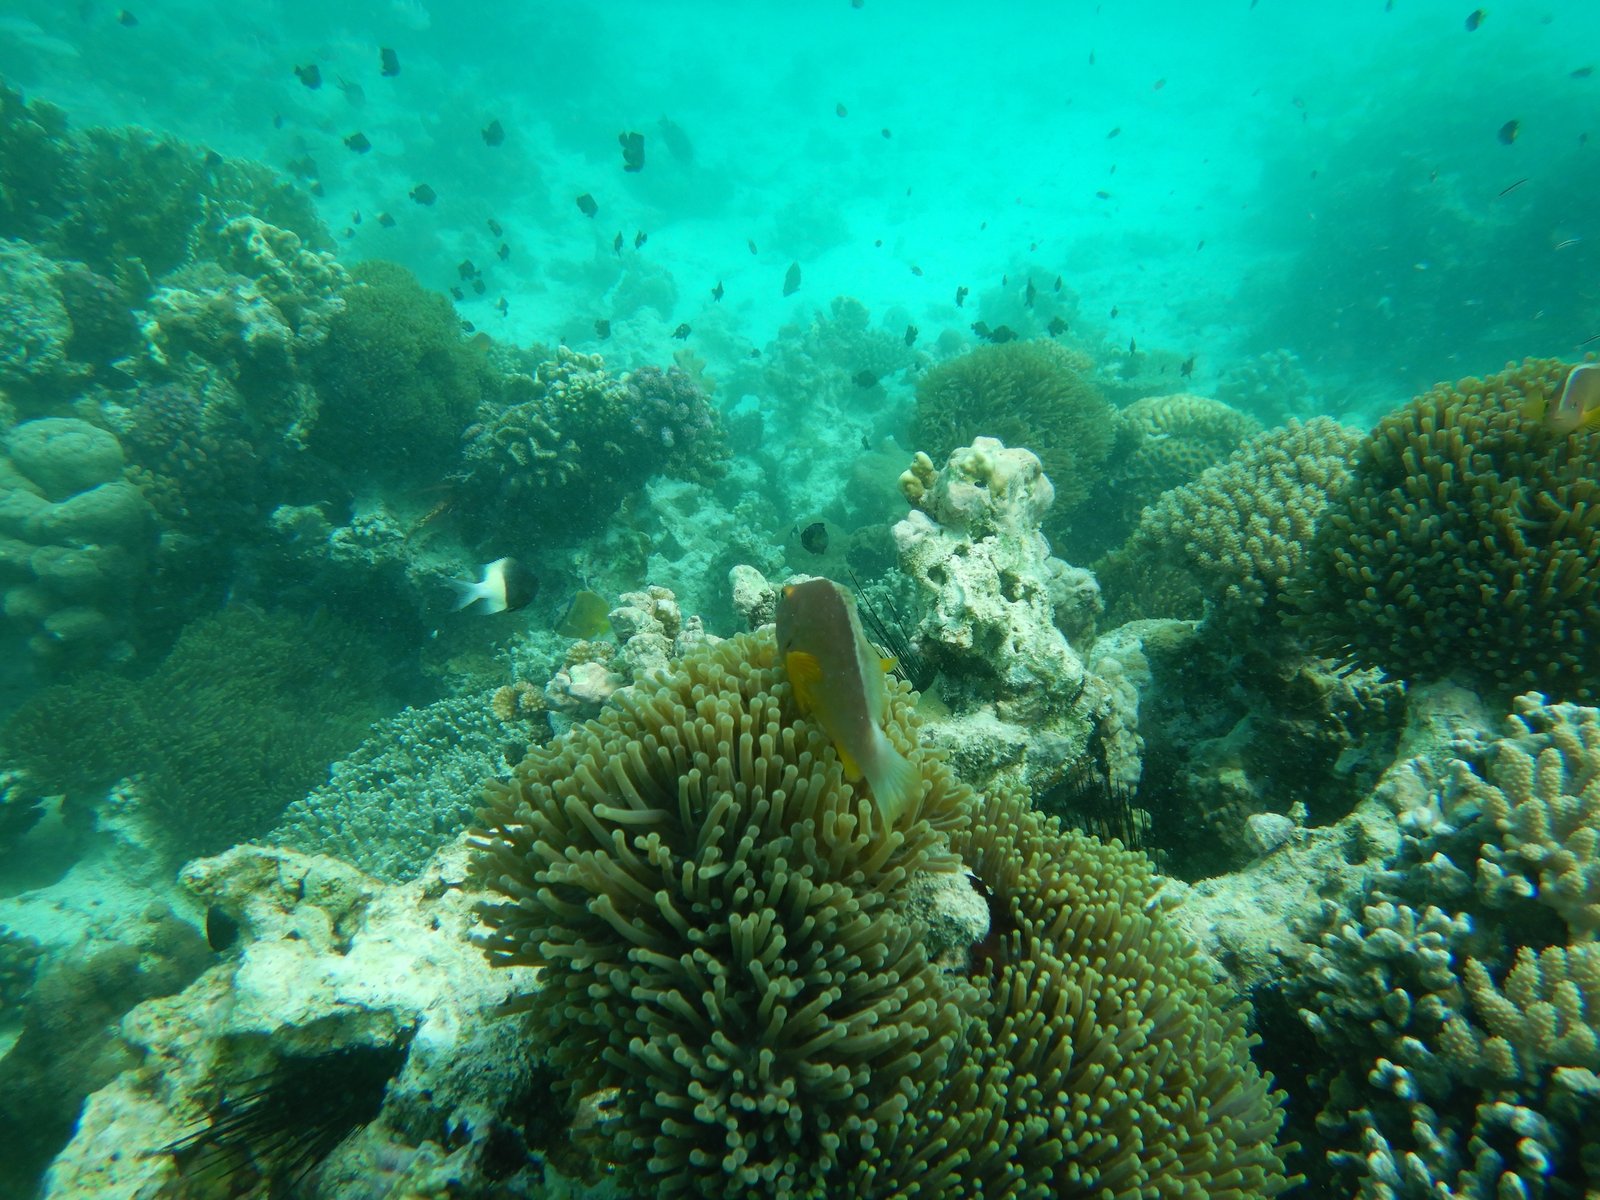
(1465, 542)
(75, 538)
(1032, 395)
(1162, 442)
(36, 330)
(70, 1044)
(1233, 727)
(1459, 995)
(409, 788)
(241, 325)
(128, 202)
(242, 717)
(566, 442)
(1024, 706)
(1227, 545)
(725, 944)
(327, 960)
(398, 381)
(1272, 387)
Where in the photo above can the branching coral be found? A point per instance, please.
(405, 791)
(1477, 1031)
(1465, 542)
(726, 942)
(1235, 537)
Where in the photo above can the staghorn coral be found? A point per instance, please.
(1227, 544)
(1032, 395)
(1474, 1029)
(1465, 542)
(397, 380)
(727, 953)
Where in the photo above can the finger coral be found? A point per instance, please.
(1465, 542)
(1230, 541)
(727, 949)
(1162, 442)
(1466, 1038)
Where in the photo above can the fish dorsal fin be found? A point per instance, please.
(805, 673)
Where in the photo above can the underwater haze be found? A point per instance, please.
(1232, 178)
(833, 599)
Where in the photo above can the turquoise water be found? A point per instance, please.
(389, 389)
(1340, 164)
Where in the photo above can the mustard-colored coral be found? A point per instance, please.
(1162, 442)
(1466, 541)
(727, 951)
(1232, 540)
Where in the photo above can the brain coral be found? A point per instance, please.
(1236, 535)
(727, 946)
(1029, 394)
(1466, 541)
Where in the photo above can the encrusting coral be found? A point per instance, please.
(1464, 987)
(726, 942)
(1465, 542)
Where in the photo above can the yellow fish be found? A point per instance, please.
(838, 680)
(588, 616)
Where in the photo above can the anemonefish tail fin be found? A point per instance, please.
(896, 784)
(888, 665)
